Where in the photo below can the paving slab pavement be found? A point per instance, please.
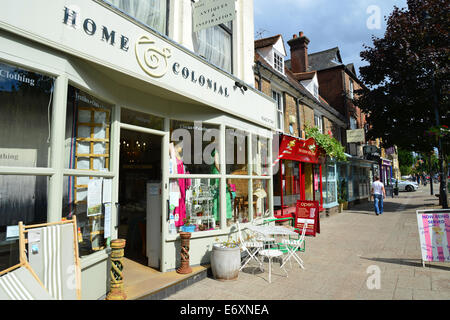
(340, 262)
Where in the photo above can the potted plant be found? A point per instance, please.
(188, 227)
(225, 260)
(342, 196)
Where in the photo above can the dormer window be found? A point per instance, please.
(278, 62)
(316, 91)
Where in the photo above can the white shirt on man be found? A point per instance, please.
(377, 187)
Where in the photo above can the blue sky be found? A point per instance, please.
(327, 23)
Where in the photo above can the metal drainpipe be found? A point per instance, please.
(299, 127)
(258, 72)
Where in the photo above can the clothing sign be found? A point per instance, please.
(210, 13)
(308, 212)
(434, 234)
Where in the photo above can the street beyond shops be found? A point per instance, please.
(341, 262)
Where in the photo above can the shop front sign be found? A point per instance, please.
(355, 136)
(434, 234)
(299, 150)
(307, 212)
(210, 13)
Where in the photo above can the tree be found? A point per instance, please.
(400, 74)
(405, 161)
(408, 80)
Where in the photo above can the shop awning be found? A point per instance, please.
(296, 149)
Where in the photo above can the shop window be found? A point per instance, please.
(195, 202)
(238, 207)
(215, 45)
(25, 116)
(152, 13)
(260, 155)
(236, 146)
(87, 132)
(330, 185)
(89, 198)
(194, 148)
(291, 183)
(141, 119)
(22, 198)
(260, 197)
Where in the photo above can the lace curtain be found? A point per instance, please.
(214, 44)
(150, 12)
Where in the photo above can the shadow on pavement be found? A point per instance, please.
(389, 206)
(407, 262)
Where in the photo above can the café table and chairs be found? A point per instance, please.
(271, 248)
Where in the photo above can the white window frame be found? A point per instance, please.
(278, 97)
(318, 122)
(350, 89)
(278, 62)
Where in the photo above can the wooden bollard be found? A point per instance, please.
(117, 253)
(185, 268)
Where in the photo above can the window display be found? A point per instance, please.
(260, 198)
(25, 115)
(239, 201)
(195, 202)
(87, 132)
(90, 201)
(196, 146)
(260, 156)
(236, 146)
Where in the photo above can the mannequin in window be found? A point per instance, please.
(215, 169)
(179, 185)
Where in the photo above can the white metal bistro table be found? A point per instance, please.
(268, 231)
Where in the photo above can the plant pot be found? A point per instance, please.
(190, 228)
(341, 207)
(345, 205)
(396, 191)
(225, 263)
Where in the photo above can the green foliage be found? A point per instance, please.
(328, 144)
(407, 74)
(342, 191)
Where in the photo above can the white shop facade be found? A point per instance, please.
(105, 119)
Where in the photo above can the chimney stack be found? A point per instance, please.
(299, 53)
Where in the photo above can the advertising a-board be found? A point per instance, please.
(308, 212)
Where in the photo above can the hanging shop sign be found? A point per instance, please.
(210, 13)
(434, 234)
(355, 136)
(307, 212)
(299, 149)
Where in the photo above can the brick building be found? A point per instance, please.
(299, 104)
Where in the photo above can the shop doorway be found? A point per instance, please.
(140, 176)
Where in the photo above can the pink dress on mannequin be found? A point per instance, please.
(183, 184)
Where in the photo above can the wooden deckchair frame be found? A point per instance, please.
(23, 229)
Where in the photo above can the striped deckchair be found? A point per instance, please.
(21, 283)
(51, 250)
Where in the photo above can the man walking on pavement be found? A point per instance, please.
(378, 194)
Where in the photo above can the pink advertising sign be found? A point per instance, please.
(434, 233)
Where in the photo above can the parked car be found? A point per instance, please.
(405, 185)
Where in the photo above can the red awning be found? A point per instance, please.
(298, 150)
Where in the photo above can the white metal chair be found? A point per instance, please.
(270, 254)
(251, 246)
(294, 246)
